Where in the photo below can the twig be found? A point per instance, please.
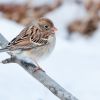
(40, 75)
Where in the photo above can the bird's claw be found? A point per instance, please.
(38, 68)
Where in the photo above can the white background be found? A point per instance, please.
(74, 63)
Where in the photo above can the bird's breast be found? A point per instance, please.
(43, 51)
(39, 52)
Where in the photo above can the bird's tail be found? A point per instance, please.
(4, 50)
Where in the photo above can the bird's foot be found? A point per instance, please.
(38, 68)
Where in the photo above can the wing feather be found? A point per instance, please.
(22, 40)
(28, 38)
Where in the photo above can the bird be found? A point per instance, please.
(35, 42)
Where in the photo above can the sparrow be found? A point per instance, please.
(35, 41)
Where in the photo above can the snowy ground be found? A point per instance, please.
(74, 64)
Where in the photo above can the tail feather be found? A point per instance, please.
(4, 50)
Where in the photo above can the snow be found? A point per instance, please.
(74, 63)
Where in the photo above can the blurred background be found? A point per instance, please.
(75, 61)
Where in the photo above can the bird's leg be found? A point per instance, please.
(38, 67)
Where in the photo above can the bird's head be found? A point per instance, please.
(46, 25)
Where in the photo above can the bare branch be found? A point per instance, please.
(40, 75)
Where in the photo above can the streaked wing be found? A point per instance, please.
(39, 38)
(27, 39)
(22, 41)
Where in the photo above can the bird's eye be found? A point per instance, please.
(46, 27)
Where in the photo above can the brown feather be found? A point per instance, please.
(31, 36)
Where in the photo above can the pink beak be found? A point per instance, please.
(54, 29)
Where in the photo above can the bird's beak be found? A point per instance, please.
(54, 29)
